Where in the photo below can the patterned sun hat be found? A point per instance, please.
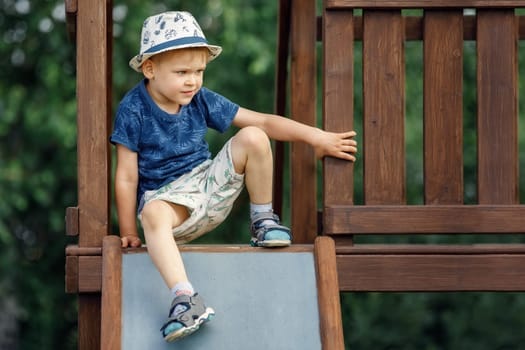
(170, 31)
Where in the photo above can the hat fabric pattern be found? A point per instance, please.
(170, 31)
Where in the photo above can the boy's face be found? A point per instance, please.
(174, 77)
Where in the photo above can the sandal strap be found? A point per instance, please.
(259, 230)
(194, 309)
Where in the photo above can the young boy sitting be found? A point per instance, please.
(165, 173)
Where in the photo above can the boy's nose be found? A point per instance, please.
(192, 79)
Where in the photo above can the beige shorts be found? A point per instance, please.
(208, 191)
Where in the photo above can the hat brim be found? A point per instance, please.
(136, 62)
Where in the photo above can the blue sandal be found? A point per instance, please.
(186, 322)
(265, 234)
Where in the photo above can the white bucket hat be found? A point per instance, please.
(169, 31)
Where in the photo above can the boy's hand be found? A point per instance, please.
(131, 241)
(339, 145)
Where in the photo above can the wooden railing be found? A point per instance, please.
(381, 26)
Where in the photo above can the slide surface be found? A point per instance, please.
(262, 300)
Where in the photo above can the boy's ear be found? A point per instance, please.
(147, 69)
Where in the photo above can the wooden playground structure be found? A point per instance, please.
(343, 265)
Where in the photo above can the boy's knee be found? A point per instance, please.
(254, 137)
(151, 212)
(159, 212)
(152, 207)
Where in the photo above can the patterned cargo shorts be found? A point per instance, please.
(208, 191)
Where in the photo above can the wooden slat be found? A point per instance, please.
(453, 272)
(384, 107)
(330, 317)
(340, 4)
(72, 221)
(443, 107)
(497, 107)
(338, 100)
(75, 250)
(71, 18)
(414, 27)
(303, 109)
(111, 329)
(432, 249)
(415, 219)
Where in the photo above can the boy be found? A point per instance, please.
(164, 171)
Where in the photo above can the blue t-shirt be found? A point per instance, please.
(168, 145)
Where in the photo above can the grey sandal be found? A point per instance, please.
(266, 234)
(188, 321)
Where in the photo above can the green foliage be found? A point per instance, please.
(38, 172)
(432, 321)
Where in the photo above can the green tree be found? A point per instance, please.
(38, 173)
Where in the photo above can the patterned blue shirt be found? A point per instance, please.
(168, 145)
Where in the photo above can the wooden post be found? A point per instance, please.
(94, 103)
(94, 108)
(497, 81)
(111, 327)
(330, 318)
(303, 109)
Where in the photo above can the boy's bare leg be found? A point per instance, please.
(187, 311)
(252, 156)
(158, 219)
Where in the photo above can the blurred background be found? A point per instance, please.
(38, 175)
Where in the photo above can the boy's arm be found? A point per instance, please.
(339, 145)
(126, 182)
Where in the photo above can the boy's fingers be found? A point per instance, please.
(135, 242)
(348, 156)
(129, 241)
(349, 134)
(350, 142)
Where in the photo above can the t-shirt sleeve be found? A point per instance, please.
(126, 130)
(220, 110)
